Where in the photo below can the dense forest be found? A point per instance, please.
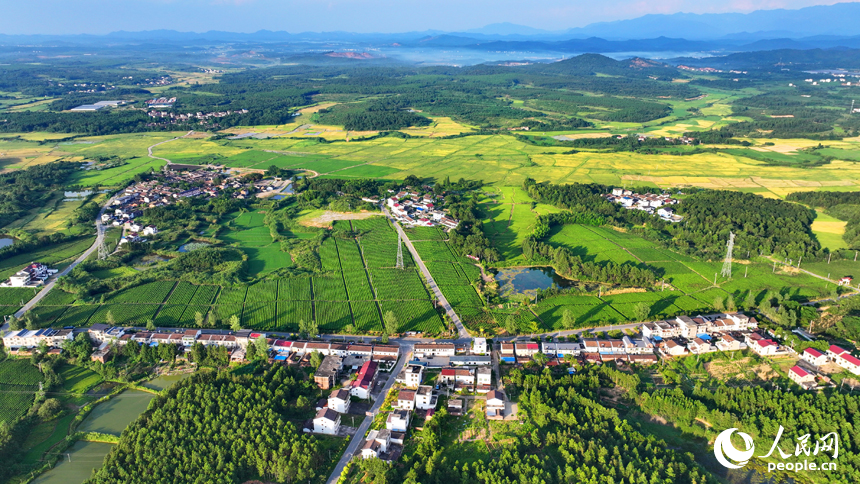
(22, 190)
(568, 437)
(760, 412)
(220, 427)
(760, 225)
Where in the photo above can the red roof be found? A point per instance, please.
(532, 346)
(285, 344)
(850, 359)
(814, 352)
(366, 374)
(765, 342)
(254, 335)
(448, 372)
(798, 371)
(837, 350)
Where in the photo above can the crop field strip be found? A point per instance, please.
(19, 381)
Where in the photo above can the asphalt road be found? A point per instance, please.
(100, 235)
(362, 429)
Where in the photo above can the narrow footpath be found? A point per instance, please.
(362, 429)
(430, 281)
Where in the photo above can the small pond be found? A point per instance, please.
(114, 415)
(192, 246)
(525, 280)
(165, 381)
(78, 466)
(6, 242)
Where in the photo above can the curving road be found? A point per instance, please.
(100, 235)
(430, 281)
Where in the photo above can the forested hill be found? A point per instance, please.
(220, 428)
(761, 225)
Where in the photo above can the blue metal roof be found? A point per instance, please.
(704, 336)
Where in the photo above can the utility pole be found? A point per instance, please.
(727, 264)
(399, 264)
(746, 269)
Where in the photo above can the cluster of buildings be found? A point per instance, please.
(807, 372)
(167, 190)
(699, 69)
(411, 207)
(33, 275)
(589, 350)
(702, 334)
(173, 118)
(659, 205)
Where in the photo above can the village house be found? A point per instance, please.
(813, 357)
(376, 444)
(479, 346)
(398, 420)
(410, 376)
(672, 348)
(849, 362)
(762, 346)
(102, 354)
(455, 407)
(434, 349)
(730, 343)
(33, 275)
(327, 421)
(339, 400)
(698, 346)
(405, 400)
(560, 350)
(469, 360)
(835, 352)
(801, 377)
(30, 338)
(363, 383)
(457, 377)
(326, 375)
(484, 379)
(526, 350)
(495, 406)
(385, 352)
(424, 398)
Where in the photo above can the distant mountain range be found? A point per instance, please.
(823, 27)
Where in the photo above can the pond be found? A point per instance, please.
(165, 381)
(192, 246)
(6, 242)
(78, 466)
(526, 280)
(114, 415)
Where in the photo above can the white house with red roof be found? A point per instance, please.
(834, 352)
(765, 347)
(813, 357)
(363, 383)
(850, 363)
(801, 377)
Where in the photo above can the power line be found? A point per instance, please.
(727, 264)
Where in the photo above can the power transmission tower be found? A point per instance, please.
(399, 264)
(727, 265)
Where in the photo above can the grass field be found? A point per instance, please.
(19, 381)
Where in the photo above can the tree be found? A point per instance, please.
(511, 324)
(51, 409)
(150, 325)
(749, 301)
(541, 359)
(719, 303)
(15, 324)
(390, 322)
(262, 347)
(251, 353)
(212, 319)
(349, 329)
(308, 329)
(316, 359)
(235, 324)
(641, 311)
(384, 338)
(567, 319)
(109, 319)
(198, 319)
(302, 402)
(198, 353)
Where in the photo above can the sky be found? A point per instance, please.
(104, 16)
